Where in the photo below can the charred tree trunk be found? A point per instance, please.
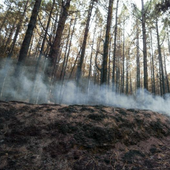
(166, 76)
(91, 56)
(74, 64)
(144, 47)
(106, 43)
(114, 52)
(127, 71)
(109, 61)
(65, 54)
(55, 49)
(68, 54)
(137, 59)
(131, 88)
(153, 68)
(79, 67)
(123, 69)
(27, 38)
(40, 54)
(162, 81)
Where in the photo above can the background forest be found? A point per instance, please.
(69, 51)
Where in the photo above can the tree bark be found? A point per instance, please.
(106, 43)
(137, 58)
(56, 44)
(79, 67)
(144, 47)
(65, 55)
(40, 54)
(29, 32)
(114, 52)
(166, 76)
(123, 69)
(153, 68)
(162, 81)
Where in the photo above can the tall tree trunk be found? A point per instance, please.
(153, 68)
(144, 47)
(65, 55)
(28, 36)
(166, 75)
(168, 41)
(127, 71)
(127, 78)
(123, 69)
(114, 52)
(79, 67)
(32, 97)
(90, 67)
(109, 71)
(68, 54)
(74, 64)
(137, 58)
(162, 81)
(131, 88)
(106, 43)
(55, 49)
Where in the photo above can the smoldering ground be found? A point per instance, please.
(42, 90)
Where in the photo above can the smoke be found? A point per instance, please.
(67, 92)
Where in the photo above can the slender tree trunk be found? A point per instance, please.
(55, 49)
(96, 56)
(168, 41)
(138, 58)
(68, 54)
(74, 64)
(65, 55)
(166, 75)
(131, 88)
(79, 67)
(162, 81)
(127, 72)
(91, 56)
(28, 36)
(127, 78)
(123, 69)
(153, 68)
(109, 61)
(106, 43)
(32, 97)
(144, 47)
(114, 52)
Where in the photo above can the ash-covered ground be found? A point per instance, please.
(81, 137)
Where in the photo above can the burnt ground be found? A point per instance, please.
(78, 137)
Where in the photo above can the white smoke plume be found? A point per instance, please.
(69, 93)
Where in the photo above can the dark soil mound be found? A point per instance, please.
(60, 137)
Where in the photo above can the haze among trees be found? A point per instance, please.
(110, 42)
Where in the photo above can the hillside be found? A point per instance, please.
(80, 137)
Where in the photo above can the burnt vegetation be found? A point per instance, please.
(82, 137)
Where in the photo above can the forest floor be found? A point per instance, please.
(79, 137)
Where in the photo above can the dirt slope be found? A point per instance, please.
(60, 137)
